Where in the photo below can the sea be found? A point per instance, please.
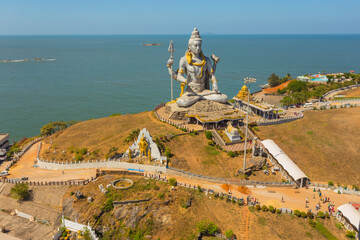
(87, 77)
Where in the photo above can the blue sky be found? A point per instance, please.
(179, 17)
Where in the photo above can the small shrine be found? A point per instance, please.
(145, 146)
(232, 133)
(243, 93)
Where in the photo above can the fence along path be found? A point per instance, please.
(178, 172)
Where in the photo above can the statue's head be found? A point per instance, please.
(195, 42)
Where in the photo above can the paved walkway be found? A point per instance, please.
(238, 146)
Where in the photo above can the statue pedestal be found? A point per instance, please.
(206, 113)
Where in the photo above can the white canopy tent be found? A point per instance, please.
(286, 163)
(351, 214)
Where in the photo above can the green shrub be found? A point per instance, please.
(312, 223)
(231, 154)
(339, 226)
(229, 233)
(183, 203)
(257, 207)
(330, 183)
(278, 211)
(108, 205)
(320, 214)
(264, 208)
(167, 152)
(271, 209)
(83, 151)
(78, 157)
(161, 195)
(297, 213)
(303, 214)
(310, 215)
(172, 182)
(207, 228)
(115, 115)
(208, 135)
(20, 191)
(350, 234)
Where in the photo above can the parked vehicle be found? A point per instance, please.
(4, 173)
(307, 105)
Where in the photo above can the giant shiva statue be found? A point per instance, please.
(196, 71)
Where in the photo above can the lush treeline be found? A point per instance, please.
(53, 127)
(298, 92)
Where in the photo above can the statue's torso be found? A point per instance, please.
(197, 76)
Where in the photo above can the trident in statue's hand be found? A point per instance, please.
(169, 64)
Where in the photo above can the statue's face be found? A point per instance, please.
(195, 46)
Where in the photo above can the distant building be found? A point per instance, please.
(303, 78)
(4, 145)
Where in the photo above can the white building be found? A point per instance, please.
(350, 217)
(287, 167)
(4, 145)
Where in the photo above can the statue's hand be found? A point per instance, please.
(170, 62)
(215, 58)
(215, 86)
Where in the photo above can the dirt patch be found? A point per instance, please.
(243, 190)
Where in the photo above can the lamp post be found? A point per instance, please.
(247, 80)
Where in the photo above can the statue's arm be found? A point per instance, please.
(182, 69)
(211, 72)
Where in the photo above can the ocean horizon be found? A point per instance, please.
(94, 76)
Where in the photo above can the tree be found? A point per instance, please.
(207, 228)
(208, 135)
(20, 191)
(287, 100)
(274, 80)
(52, 127)
(172, 182)
(297, 86)
(229, 233)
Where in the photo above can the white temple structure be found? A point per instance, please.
(135, 150)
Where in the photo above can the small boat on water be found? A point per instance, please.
(151, 44)
(27, 60)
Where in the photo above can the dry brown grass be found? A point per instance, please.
(190, 152)
(352, 93)
(266, 225)
(324, 144)
(104, 133)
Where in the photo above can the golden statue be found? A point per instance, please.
(243, 93)
(143, 146)
(149, 154)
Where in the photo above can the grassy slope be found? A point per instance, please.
(105, 133)
(190, 152)
(265, 225)
(324, 144)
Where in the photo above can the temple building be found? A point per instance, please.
(259, 108)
